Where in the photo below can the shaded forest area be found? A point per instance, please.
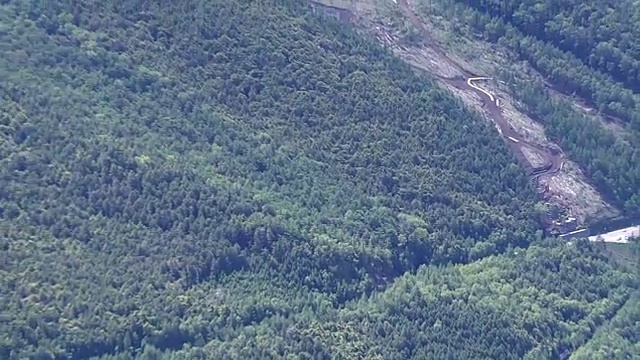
(539, 303)
(246, 186)
(601, 34)
(583, 49)
(619, 339)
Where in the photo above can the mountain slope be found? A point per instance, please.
(543, 302)
(600, 176)
(619, 338)
(156, 164)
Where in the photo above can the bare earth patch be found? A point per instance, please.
(426, 60)
(568, 187)
(533, 156)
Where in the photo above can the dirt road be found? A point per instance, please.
(553, 158)
(618, 236)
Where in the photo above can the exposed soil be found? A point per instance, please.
(558, 179)
(552, 158)
(335, 11)
(565, 186)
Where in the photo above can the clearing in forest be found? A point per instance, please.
(421, 35)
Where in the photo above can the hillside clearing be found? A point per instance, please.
(569, 187)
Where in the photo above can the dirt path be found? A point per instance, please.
(553, 158)
(618, 236)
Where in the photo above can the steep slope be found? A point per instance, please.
(596, 71)
(450, 39)
(539, 303)
(619, 339)
(169, 179)
(598, 35)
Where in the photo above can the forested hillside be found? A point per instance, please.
(619, 339)
(226, 186)
(583, 49)
(540, 303)
(600, 33)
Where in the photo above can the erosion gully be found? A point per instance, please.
(553, 157)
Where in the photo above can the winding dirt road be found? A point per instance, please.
(553, 158)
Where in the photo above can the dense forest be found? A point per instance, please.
(619, 339)
(558, 51)
(539, 303)
(268, 184)
(585, 48)
(600, 33)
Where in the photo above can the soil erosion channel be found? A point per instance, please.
(553, 157)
